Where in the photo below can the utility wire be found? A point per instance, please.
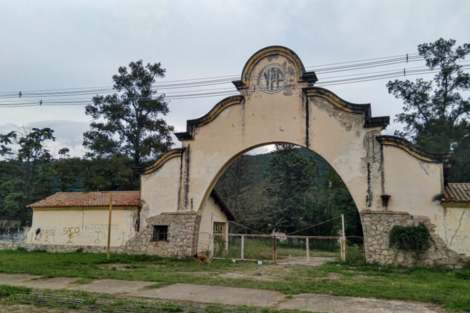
(227, 91)
(314, 225)
(217, 80)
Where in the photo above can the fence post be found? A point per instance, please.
(243, 247)
(274, 250)
(308, 249)
(211, 238)
(343, 240)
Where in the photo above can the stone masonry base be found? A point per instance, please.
(377, 226)
(183, 229)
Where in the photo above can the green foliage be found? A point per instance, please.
(435, 113)
(7, 291)
(463, 275)
(129, 123)
(26, 175)
(355, 255)
(291, 180)
(251, 183)
(416, 238)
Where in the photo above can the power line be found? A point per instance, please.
(197, 82)
(227, 91)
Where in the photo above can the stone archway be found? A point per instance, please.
(390, 180)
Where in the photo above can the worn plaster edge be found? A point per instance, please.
(450, 204)
(384, 212)
(355, 108)
(414, 150)
(175, 153)
(87, 208)
(264, 53)
(176, 213)
(209, 117)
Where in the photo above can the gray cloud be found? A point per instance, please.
(64, 44)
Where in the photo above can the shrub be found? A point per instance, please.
(411, 238)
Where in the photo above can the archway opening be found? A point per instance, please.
(290, 192)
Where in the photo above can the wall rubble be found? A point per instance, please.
(377, 227)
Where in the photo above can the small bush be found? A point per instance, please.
(22, 249)
(416, 238)
(354, 255)
(79, 250)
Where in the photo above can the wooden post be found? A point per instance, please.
(274, 250)
(243, 247)
(343, 240)
(109, 222)
(308, 249)
(211, 238)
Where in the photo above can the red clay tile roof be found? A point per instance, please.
(82, 199)
(218, 200)
(457, 192)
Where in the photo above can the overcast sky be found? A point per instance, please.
(74, 44)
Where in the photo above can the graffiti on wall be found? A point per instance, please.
(71, 232)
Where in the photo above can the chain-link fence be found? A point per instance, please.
(276, 248)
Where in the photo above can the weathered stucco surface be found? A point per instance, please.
(372, 166)
(82, 226)
(210, 215)
(391, 181)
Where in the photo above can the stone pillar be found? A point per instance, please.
(183, 230)
(377, 226)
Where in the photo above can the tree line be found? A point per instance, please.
(128, 132)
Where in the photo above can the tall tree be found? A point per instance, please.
(129, 122)
(26, 173)
(435, 113)
(292, 179)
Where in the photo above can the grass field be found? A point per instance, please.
(256, 248)
(448, 288)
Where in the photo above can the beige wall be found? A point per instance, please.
(82, 226)
(159, 190)
(211, 212)
(310, 117)
(456, 220)
(258, 120)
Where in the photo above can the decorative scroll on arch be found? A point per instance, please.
(414, 150)
(209, 117)
(365, 109)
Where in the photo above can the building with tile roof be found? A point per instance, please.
(81, 219)
(456, 193)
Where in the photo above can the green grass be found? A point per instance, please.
(82, 281)
(259, 248)
(449, 288)
(81, 301)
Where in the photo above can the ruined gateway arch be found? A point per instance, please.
(391, 181)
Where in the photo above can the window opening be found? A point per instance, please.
(160, 233)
